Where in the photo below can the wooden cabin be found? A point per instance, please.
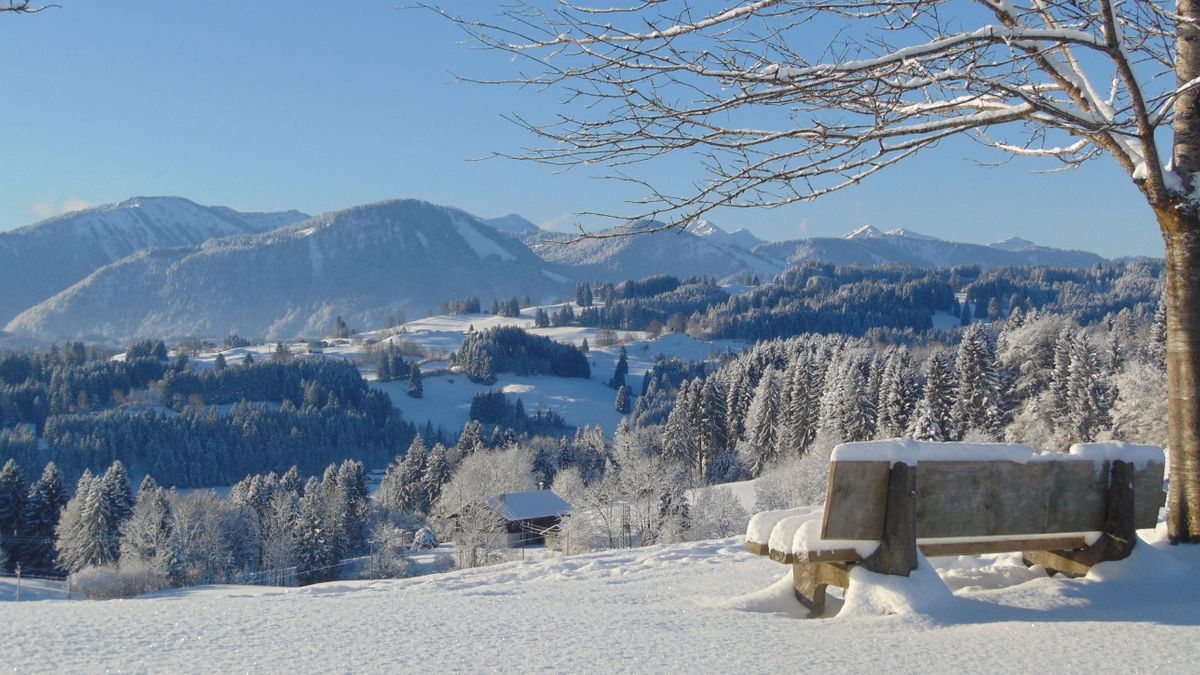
(529, 516)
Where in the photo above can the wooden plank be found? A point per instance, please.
(758, 548)
(830, 555)
(897, 553)
(856, 500)
(985, 498)
(978, 547)
(1054, 561)
(1148, 495)
(825, 555)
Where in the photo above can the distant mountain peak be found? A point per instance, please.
(909, 234)
(711, 231)
(705, 228)
(1014, 244)
(865, 232)
(513, 224)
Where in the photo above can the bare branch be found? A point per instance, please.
(772, 117)
(23, 7)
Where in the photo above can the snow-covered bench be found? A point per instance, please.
(886, 499)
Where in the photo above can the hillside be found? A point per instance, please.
(698, 607)
(611, 257)
(42, 259)
(869, 246)
(363, 263)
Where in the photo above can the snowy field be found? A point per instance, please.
(447, 397)
(699, 607)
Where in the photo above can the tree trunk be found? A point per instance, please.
(1182, 237)
(1180, 224)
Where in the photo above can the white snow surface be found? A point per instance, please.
(913, 452)
(482, 245)
(529, 505)
(798, 533)
(697, 607)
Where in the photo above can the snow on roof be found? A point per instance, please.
(529, 505)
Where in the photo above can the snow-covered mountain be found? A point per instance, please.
(363, 263)
(514, 224)
(868, 245)
(682, 253)
(740, 237)
(42, 259)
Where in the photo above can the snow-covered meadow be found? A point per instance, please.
(446, 401)
(695, 607)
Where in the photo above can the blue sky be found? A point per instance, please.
(270, 105)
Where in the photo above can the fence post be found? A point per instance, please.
(18, 582)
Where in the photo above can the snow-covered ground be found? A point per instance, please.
(447, 397)
(698, 607)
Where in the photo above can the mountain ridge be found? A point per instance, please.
(43, 258)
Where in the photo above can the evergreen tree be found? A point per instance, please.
(148, 534)
(315, 552)
(116, 491)
(86, 533)
(681, 438)
(383, 372)
(352, 478)
(1088, 394)
(12, 510)
(932, 419)
(762, 422)
(340, 329)
(897, 395)
(412, 494)
(713, 427)
(471, 438)
(336, 512)
(219, 362)
(737, 402)
(43, 508)
(978, 401)
(279, 533)
(584, 347)
(620, 371)
(1058, 405)
(437, 472)
(621, 404)
(416, 389)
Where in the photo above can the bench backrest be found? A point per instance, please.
(987, 490)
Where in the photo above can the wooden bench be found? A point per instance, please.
(887, 499)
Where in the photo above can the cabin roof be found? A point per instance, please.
(529, 505)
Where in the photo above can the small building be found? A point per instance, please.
(529, 516)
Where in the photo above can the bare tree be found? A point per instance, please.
(22, 7)
(775, 116)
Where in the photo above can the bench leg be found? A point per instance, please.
(809, 591)
(810, 580)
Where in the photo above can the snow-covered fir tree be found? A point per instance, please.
(979, 404)
(762, 424)
(932, 419)
(12, 511)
